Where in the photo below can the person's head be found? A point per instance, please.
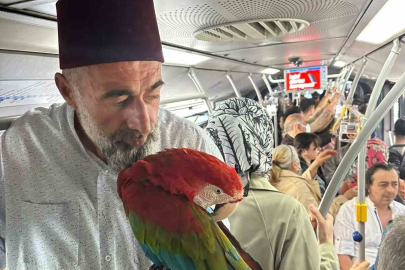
(307, 145)
(392, 247)
(285, 157)
(382, 183)
(112, 84)
(307, 106)
(399, 128)
(295, 124)
(290, 111)
(243, 133)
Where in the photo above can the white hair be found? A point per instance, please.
(393, 246)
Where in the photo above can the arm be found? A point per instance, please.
(324, 101)
(324, 229)
(345, 262)
(299, 246)
(343, 230)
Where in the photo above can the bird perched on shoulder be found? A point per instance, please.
(165, 197)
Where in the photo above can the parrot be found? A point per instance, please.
(166, 197)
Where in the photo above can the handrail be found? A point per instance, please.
(179, 99)
(229, 77)
(266, 82)
(356, 80)
(368, 123)
(259, 95)
(352, 152)
(389, 63)
(198, 85)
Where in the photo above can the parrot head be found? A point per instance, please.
(202, 178)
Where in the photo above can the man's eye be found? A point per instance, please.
(122, 98)
(153, 97)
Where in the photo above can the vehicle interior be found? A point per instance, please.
(219, 49)
(216, 38)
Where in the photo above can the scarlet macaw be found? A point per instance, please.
(165, 197)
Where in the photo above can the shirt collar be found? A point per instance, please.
(392, 206)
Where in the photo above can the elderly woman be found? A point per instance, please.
(279, 234)
(381, 189)
(285, 175)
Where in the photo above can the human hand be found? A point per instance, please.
(324, 227)
(324, 156)
(351, 193)
(363, 266)
(335, 98)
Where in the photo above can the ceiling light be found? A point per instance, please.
(270, 71)
(339, 64)
(387, 24)
(182, 58)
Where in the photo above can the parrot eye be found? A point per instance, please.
(218, 191)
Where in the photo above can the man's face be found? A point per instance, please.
(118, 109)
(384, 188)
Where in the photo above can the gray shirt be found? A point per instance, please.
(59, 207)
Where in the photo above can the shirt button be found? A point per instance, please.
(108, 258)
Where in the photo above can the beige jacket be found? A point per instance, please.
(274, 229)
(305, 189)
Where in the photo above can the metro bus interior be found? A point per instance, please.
(218, 49)
(215, 38)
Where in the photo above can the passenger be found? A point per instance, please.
(381, 189)
(279, 234)
(59, 207)
(285, 176)
(330, 166)
(307, 107)
(393, 246)
(397, 151)
(293, 125)
(323, 113)
(307, 146)
(377, 152)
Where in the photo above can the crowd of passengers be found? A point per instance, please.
(278, 237)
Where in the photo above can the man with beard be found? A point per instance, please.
(59, 208)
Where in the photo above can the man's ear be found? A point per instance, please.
(65, 89)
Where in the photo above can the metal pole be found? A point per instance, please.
(356, 81)
(259, 95)
(361, 176)
(361, 199)
(332, 76)
(384, 107)
(184, 98)
(267, 84)
(275, 81)
(348, 74)
(198, 85)
(275, 130)
(229, 77)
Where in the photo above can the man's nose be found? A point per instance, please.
(138, 117)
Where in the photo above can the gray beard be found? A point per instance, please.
(120, 154)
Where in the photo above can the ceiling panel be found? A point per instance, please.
(279, 54)
(179, 20)
(22, 33)
(49, 9)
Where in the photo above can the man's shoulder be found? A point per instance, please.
(170, 122)
(37, 119)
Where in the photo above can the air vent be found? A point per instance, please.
(248, 31)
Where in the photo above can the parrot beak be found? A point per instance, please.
(223, 211)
